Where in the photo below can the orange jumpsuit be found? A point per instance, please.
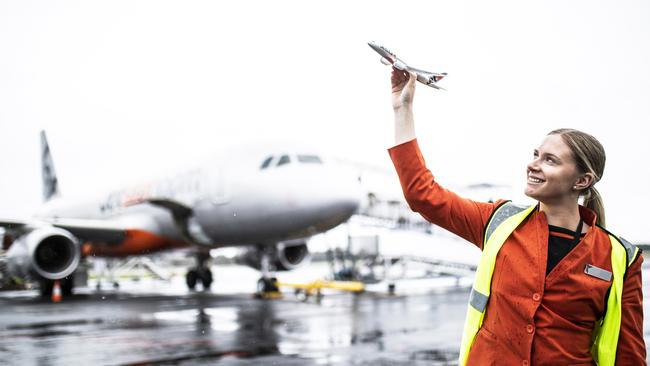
(531, 318)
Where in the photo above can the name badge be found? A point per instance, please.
(600, 273)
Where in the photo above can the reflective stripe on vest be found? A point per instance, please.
(607, 330)
(503, 222)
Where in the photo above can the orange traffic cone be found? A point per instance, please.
(56, 292)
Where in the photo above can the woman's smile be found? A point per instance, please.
(534, 180)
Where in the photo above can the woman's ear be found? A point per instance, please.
(584, 181)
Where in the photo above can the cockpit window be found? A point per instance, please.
(310, 159)
(266, 162)
(284, 159)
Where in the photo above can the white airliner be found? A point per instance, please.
(271, 201)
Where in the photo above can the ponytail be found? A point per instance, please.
(594, 201)
(589, 156)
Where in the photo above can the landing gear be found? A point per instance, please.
(267, 287)
(194, 276)
(206, 278)
(191, 277)
(200, 274)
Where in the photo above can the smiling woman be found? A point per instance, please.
(566, 166)
(566, 290)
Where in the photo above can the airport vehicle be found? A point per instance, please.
(268, 200)
(425, 77)
(305, 290)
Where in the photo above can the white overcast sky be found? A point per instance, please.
(124, 88)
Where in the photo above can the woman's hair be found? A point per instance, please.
(589, 156)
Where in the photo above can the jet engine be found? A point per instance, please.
(48, 252)
(285, 256)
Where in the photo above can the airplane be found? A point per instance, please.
(270, 201)
(425, 77)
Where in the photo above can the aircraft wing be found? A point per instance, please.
(10, 224)
(93, 230)
(106, 231)
(419, 71)
(84, 229)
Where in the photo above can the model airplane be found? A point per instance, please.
(425, 77)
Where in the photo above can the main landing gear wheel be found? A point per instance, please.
(203, 275)
(190, 278)
(206, 278)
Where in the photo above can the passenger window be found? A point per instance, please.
(284, 159)
(310, 159)
(266, 162)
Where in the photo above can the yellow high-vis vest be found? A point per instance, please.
(503, 222)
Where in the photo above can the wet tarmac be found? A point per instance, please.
(117, 328)
(161, 323)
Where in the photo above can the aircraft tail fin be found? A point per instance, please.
(48, 174)
(438, 77)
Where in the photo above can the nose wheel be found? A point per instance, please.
(266, 285)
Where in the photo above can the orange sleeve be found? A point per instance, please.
(631, 345)
(461, 216)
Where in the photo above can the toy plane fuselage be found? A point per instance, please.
(425, 77)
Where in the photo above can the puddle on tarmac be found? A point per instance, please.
(62, 323)
(224, 319)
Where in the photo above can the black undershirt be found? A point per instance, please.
(560, 242)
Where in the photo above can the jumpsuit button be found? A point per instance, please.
(537, 296)
(530, 328)
(524, 363)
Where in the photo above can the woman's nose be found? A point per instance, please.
(533, 165)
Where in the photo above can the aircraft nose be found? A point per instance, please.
(343, 202)
(337, 196)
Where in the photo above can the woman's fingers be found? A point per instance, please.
(411, 81)
(399, 75)
(398, 79)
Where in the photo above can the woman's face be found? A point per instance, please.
(552, 173)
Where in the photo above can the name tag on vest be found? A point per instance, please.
(600, 273)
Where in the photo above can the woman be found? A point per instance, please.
(554, 276)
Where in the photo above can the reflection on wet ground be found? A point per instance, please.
(149, 328)
(201, 328)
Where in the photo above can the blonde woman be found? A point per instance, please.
(558, 273)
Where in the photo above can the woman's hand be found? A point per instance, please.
(403, 84)
(403, 88)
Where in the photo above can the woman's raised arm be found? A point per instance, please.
(403, 89)
(424, 195)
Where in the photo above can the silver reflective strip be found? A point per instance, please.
(630, 249)
(478, 300)
(594, 271)
(507, 210)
